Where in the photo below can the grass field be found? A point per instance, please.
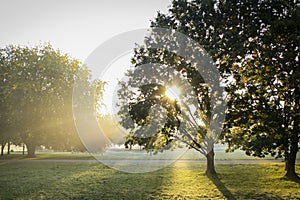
(76, 180)
(181, 180)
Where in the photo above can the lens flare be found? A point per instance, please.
(173, 93)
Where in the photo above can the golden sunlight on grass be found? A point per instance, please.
(184, 182)
(181, 180)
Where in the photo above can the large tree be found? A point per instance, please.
(255, 45)
(159, 122)
(39, 82)
(263, 111)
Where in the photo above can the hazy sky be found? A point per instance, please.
(76, 27)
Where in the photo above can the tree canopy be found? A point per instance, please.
(263, 111)
(255, 45)
(36, 94)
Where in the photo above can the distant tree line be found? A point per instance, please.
(36, 85)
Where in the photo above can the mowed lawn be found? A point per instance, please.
(182, 180)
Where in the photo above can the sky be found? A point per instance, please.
(76, 27)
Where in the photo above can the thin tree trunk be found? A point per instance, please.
(210, 166)
(2, 148)
(8, 148)
(23, 150)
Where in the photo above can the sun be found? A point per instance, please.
(173, 93)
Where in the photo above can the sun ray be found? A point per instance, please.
(173, 93)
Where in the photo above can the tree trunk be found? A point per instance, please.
(290, 162)
(2, 148)
(290, 157)
(23, 150)
(210, 166)
(30, 150)
(8, 148)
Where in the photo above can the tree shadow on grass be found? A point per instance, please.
(101, 182)
(221, 187)
(30, 179)
(262, 196)
(295, 179)
(228, 195)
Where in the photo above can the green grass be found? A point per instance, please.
(59, 180)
